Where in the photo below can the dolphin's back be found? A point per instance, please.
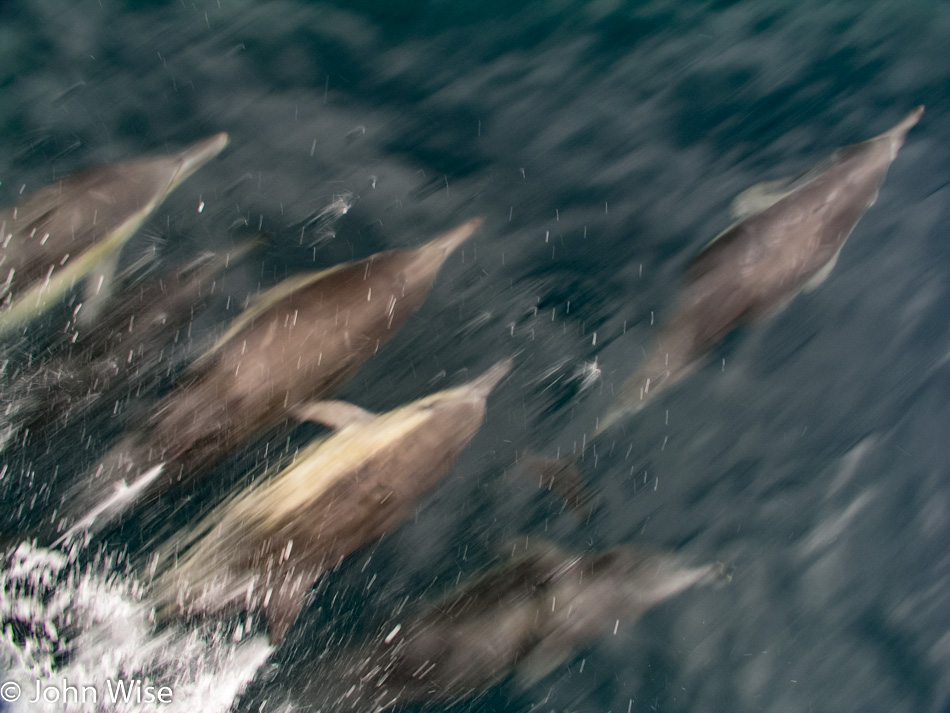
(56, 237)
(61, 221)
(759, 264)
(787, 238)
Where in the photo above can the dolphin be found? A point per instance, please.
(75, 229)
(266, 546)
(786, 239)
(299, 342)
(127, 348)
(524, 617)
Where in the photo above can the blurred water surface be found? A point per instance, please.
(603, 142)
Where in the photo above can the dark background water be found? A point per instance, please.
(603, 142)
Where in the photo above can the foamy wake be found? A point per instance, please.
(89, 628)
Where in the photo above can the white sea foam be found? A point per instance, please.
(90, 627)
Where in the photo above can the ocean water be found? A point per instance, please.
(603, 142)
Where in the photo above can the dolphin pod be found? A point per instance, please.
(266, 547)
(525, 617)
(74, 229)
(787, 239)
(263, 548)
(298, 343)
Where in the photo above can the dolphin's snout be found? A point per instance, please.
(446, 244)
(899, 132)
(911, 119)
(198, 154)
(428, 258)
(484, 384)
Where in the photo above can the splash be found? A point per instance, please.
(83, 636)
(320, 226)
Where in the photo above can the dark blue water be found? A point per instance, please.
(603, 142)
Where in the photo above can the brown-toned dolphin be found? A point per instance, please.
(127, 348)
(299, 342)
(74, 229)
(787, 239)
(525, 617)
(266, 546)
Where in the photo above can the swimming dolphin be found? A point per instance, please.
(526, 616)
(298, 343)
(266, 546)
(787, 239)
(127, 348)
(75, 229)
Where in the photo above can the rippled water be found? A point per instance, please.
(603, 142)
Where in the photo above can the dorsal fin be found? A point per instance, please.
(333, 414)
(262, 300)
(763, 196)
(757, 198)
(260, 303)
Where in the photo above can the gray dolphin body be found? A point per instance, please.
(525, 617)
(299, 342)
(75, 229)
(266, 546)
(787, 239)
